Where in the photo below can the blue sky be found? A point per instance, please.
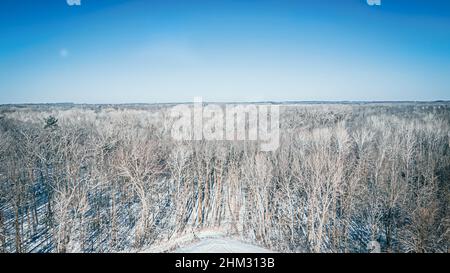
(118, 51)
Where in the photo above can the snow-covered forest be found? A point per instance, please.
(109, 178)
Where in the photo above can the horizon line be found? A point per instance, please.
(232, 102)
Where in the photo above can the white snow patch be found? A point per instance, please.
(206, 241)
(221, 245)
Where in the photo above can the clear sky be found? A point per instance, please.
(118, 51)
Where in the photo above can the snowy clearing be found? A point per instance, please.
(221, 245)
(208, 241)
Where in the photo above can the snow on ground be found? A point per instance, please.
(207, 241)
(221, 245)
